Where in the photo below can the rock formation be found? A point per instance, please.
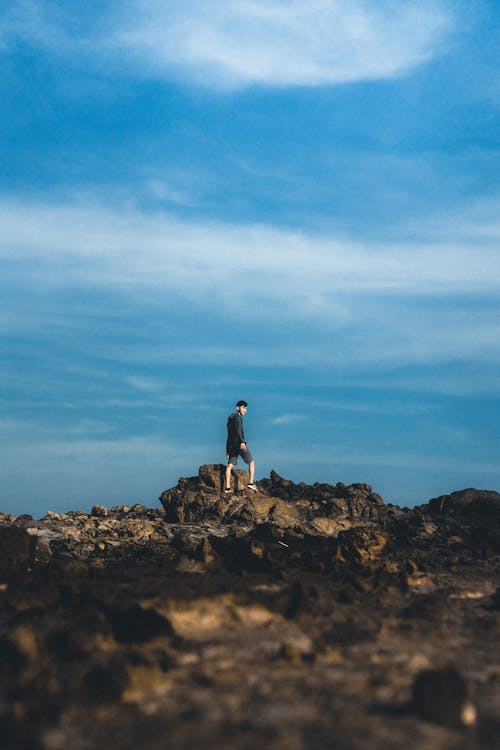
(300, 616)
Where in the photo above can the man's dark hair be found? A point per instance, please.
(242, 403)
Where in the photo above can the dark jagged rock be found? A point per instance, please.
(470, 502)
(278, 500)
(441, 696)
(476, 513)
(19, 551)
(298, 616)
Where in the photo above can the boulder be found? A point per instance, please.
(20, 551)
(467, 502)
(441, 696)
(361, 545)
(476, 512)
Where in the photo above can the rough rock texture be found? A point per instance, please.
(295, 617)
(315, 508)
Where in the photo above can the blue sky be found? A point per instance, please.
(296, 203)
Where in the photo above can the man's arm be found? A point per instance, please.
(240, 433)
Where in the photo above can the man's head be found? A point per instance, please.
(241, 407)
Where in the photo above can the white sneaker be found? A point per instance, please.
(252, 486)
(227, 490)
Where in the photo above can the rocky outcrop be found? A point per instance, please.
(484, 504)
(298, 616)
(317, 508)
(474, 516)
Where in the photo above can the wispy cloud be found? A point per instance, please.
(227, 44)
(394, 302)
(308, 43)
(287, 419)
(118, 245)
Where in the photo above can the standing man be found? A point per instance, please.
(236, 446)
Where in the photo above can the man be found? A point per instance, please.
(236, 446)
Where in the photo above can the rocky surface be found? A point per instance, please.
(299, 616)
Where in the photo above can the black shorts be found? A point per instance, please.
(246, 456)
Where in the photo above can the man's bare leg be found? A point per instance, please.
(229, 469)
(251, 469)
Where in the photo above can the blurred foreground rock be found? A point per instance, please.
(300, 616)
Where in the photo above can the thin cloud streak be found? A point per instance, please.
(288, 419)
(366, 302)
(123, 247)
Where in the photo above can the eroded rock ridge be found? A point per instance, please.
(297, 616)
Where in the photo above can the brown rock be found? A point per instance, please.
(99, 510)
(20, 551)
(285, 515)
(441, 696)
(361, 544)
(297, 616)
(467, 502)
(280, 500)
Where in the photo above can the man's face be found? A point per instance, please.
(242, 409)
